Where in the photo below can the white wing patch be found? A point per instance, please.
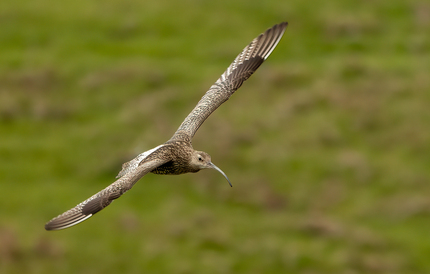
(133, 164)
(145, 154)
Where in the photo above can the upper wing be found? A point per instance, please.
(102, 199)
(245, 64)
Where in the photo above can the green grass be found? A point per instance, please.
(327, 145)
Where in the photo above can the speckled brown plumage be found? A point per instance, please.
(177, 155)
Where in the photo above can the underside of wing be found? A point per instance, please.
(102, 199)
(245, 64)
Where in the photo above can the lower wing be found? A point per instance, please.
(102, 199)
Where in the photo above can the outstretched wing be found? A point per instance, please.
(245, 64)
(102, 199)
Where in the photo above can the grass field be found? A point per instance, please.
(327, 145)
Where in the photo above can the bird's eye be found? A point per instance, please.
(200, 158)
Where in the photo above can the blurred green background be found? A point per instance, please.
(327, 145)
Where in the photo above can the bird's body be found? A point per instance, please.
(177, 156)
(180, 153)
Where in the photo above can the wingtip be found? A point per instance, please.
(279, 26)
(60, 223)
(272, 36)
(283, 24)
(69, 218)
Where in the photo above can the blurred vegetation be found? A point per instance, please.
(327, 145)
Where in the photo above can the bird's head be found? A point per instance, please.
(201, 160)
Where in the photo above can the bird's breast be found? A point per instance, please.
(173, 168)
(180, 154)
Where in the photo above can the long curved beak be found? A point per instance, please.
(220, 171)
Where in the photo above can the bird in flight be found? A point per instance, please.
(177, 156)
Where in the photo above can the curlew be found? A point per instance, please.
(177, 156)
